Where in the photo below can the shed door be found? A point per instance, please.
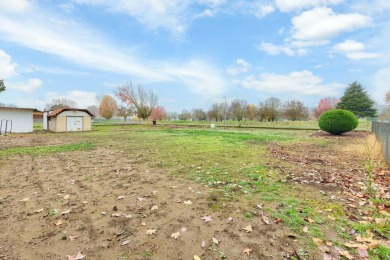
(74, 123)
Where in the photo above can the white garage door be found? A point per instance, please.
(74, 123)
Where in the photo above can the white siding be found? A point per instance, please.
(22, 120)
(73, 113)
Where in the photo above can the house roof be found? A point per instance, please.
(16, 108)
(59, 111)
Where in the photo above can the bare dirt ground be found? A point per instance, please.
(109, 205)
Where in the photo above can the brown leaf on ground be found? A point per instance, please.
(305, 229)
(215, 241)
(266, 220)
(196, 257)
(344, 253)
(362, 252)
(175, 235)
(247, 251)
(248, 229)
(327, 256)
(309, 220)
(59, 222)
(79, 256)
(317, 241)
(73, 238)
(151, 231)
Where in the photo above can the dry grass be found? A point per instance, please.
(368, 146)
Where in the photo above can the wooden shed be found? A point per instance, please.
(68, 120)
(16, 120)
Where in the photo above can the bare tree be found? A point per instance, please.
(273, 106)
(251, 112)
(107, 107)
(295, 110)
(185, 115)
(125, 112)
(199, 114)
(60, 103)
(144, 101)
(238, 109)
(94, 110)
(216, 112)
(2, 85)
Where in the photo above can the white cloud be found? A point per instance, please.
(371, 6)
(349, 46)
(322, 23)
(381, 84)
(355, 50)
(273, 49)
(15, 5)
(83, 99)
(297, 82)
(71, 41)
(30, 86)
(294, 5)
(7, 67)
(240, 66)
(171, 15)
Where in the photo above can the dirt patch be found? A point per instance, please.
(109, 204)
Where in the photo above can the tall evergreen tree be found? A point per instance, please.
(2, 85)
(356, 100)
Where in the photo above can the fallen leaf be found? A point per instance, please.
(265, 220)
(215, 241)
(305, 229)
(309, 220)
(328, 243)
(143, 224)
(103, 213)
(183, 229)
(66, 212)
(125, 242)
(66, 197)
(59, 222)
(24, 200)
(207, 218)
(151, 231)
(187, 202)
(196, 257)
(278, 220)
(331, 218)
(247, 251)
(154, 208)
(175, 235)
(343, 253)
(317, 241)
(362, 252)
(121, 197)
(203, 244)
(248, 229)
(116, 214)
(327, 256)
(140, 199)
(79, 256)
(260, 206)
(73, 238)
(230, 219)
(38, 210)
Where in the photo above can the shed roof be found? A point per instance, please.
(59, 111)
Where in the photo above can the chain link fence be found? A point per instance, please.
(382, 132)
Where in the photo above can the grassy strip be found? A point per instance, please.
(37, 150)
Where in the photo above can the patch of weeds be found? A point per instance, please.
(124, 257)
(146, 253)
(37, 150)
(380, 253)
(52, 212)
(248, 215)
(222, 255)
(382, 229)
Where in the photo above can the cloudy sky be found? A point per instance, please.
(193, 53)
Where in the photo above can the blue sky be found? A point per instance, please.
(193, 53)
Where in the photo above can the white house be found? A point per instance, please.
(16, 120)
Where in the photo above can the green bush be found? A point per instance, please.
(338, 121)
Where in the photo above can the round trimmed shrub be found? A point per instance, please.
(338, 121)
